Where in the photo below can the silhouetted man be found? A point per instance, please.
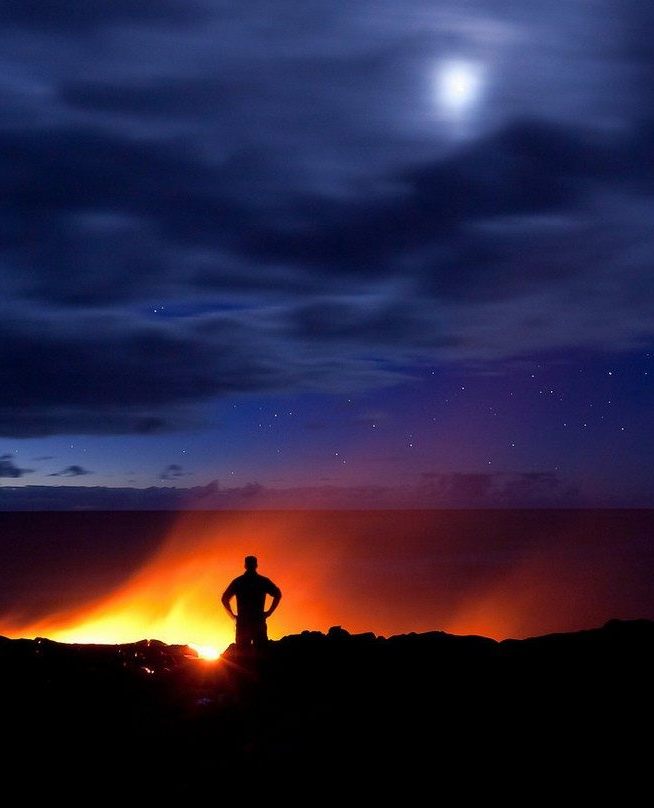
(250, 590)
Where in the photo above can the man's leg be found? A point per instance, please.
(243, 634)
(260, 634)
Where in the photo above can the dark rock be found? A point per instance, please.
(411, 709)
(338, 633)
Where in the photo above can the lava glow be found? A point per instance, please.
(205, 651)
(386, 571)
(176, 596)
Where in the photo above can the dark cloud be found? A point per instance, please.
(251, 490)
(526, 489)
(100, 205)
(186, 98)
(529, 168)
(435, 490)
(293, 211)
(173, 472)
(71, 471)
(9, 469)
(84, 210)
(66, 16)
(132, 369)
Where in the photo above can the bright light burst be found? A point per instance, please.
(205, 651)
(459, 83)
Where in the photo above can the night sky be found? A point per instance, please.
(326, 252)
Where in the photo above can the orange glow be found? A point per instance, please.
(175, 597)
(389, 572)
(205, 651)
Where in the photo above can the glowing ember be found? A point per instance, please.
(205, 651)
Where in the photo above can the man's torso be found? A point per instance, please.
(250, 591)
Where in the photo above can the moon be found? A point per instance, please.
(459, 84)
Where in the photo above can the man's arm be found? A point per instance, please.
(276, 594)
(228, 594)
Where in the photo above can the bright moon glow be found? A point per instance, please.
(458, 85)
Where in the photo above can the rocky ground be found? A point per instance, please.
(435, 714)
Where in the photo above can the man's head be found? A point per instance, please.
(250, 563)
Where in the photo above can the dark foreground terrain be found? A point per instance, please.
(450, 718)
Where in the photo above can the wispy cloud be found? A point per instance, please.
(71, 471)
(9, 469)
(173, 472)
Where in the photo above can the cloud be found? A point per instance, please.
(143, 375)
(68, 16)
(9, 469)
(71, 471)
(435, 490)
(173, 472)
(289, 212)
(516, 490)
